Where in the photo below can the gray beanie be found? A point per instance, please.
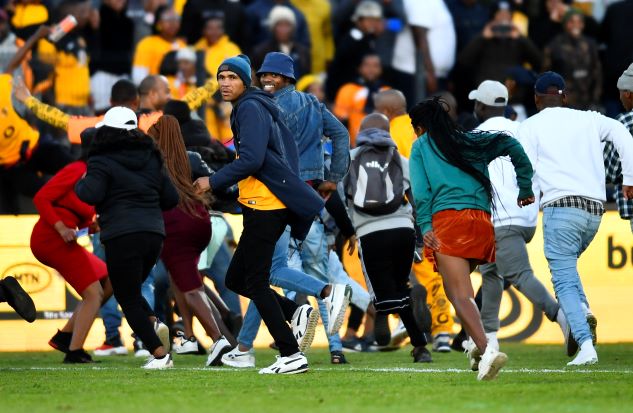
(625, 82)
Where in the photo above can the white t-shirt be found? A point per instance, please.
(565, 147)
(504, 182)
(434, 16)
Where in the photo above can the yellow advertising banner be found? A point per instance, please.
(606, 269)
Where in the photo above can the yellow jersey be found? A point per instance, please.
(402, 133)
(255, 195)
(17, 137)
(71, 74)
(151, 50)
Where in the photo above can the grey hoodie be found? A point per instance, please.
(403, 217)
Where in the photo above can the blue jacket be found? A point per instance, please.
(268, 152)
(309, 121)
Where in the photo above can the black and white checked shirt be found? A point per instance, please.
(613, 170)
(572, 201)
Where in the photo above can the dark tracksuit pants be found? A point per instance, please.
(249, 273)
(129, 259)
(387, 257)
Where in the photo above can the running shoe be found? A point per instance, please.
(421, 355)
(336, 304)
(112, 347)
(217, 350)
(61, 341)
(337, 357)
(239, 359)
(304, 322)
(154, 363)
(78, 357)
(297, 363)
(162, 331)
(139, 348)
(442, 343)
(491, 362)
(184, 345)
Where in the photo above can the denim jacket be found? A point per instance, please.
(309, 121)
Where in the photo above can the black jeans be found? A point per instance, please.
(130, 259)
(387, 258)
(249, 273)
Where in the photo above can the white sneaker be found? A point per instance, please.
(108, 350)
(297, 363)
(492, 340)
(184, 345)
(399, 335)
(491, 362)
(472, 353)
(336, 304)
(239, 359)
(139, 349)
(162, 331)
(442, 343)
(158, 364)
(304, 322)
(586, 356)
(217, 350)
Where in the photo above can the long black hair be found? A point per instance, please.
(459, 148)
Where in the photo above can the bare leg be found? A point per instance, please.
(201, 307)
(86, 314)
(455, 272)
(370, 318)
(70, 324)
(185, 311)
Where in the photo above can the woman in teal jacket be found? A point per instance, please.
(453, 198)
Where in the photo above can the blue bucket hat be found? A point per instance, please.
(280, 64)
(240, 65)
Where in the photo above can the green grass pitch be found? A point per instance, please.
(534, 380)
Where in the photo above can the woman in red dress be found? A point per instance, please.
(54, 243)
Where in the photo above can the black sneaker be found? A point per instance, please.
(18, 299)
(337, 357)
(61, 341)
(421, 355)
(78, 357)
(421, 312)
(456, 344)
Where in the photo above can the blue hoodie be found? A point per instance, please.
(267, 151)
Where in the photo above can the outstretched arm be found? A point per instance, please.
(44, 112)
(16, 61)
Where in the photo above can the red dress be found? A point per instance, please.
(57, 201)
(187, 236)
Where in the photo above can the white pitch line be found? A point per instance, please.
(335, 369)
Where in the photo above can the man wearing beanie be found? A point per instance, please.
(611, 159)
(565, 147)
(308, 121)
(272, 196)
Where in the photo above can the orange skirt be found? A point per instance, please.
(467, 233)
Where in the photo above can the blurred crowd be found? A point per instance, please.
(345, 51)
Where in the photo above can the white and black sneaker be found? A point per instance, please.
(154, 363)
(184, 345)
(297, 363)
(239, 359)
(491, 362)
(336, 304)
(217, 350)
(162, 331)
(304, 322)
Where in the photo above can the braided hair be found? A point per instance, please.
(169, 140)
(452, 143)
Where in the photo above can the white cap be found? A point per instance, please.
(491, 93)
(281, 13)
(119, 117)
(186, 53)
(367, 8)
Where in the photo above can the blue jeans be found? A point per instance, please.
(109, 312)
(217, 273)
(567, 232)
(291, 280)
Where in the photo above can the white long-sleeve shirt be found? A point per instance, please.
(504, 182)
(565, 147)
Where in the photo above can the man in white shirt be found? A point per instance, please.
(514, 226)
(565, 147)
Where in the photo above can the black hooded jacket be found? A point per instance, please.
(128, 185)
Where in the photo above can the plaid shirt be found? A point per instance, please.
(589, 205)
(613, 169)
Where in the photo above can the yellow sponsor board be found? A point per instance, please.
(606, 269)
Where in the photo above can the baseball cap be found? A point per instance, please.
(549, 80)
(119, 117)
(186, 53)
(367, 8)
(490, 93)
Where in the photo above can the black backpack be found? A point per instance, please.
(375, 183)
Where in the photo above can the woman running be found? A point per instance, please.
(127, 183)
(188, 228)
(453, 197)
(54, 243)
